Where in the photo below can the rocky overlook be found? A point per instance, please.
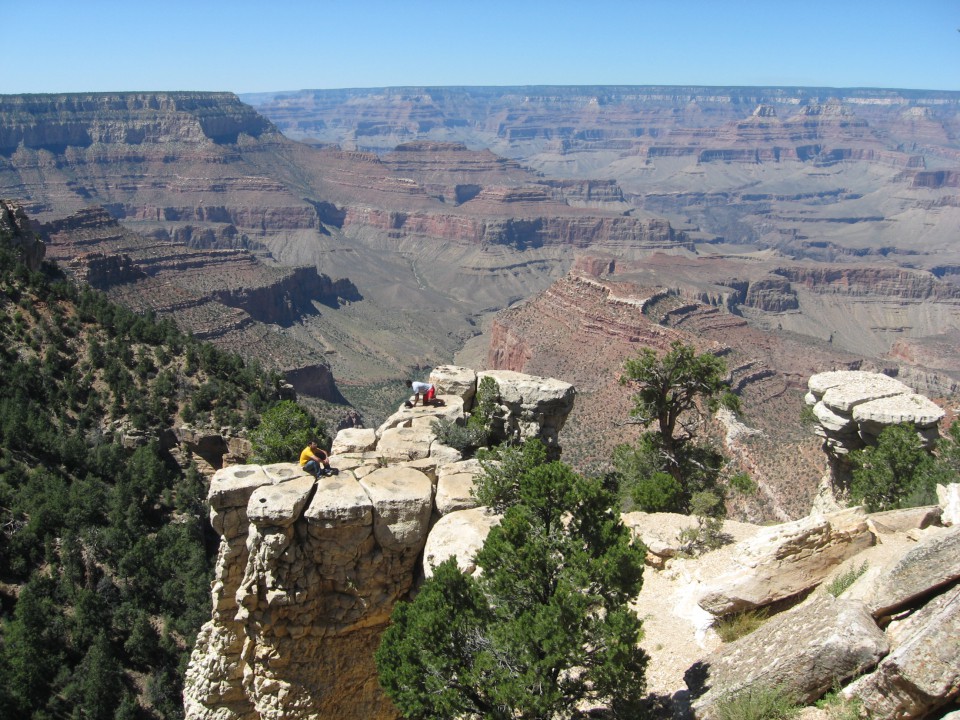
(309, 570)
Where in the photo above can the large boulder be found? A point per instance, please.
(933, 564)
(460, 533)
(454, 380)
(802, 652)
(404, 417)
(922, 672)
(785, 560)
(402, 500)
(354, 440)
(531, 406)
(400, 444)
(455, 486)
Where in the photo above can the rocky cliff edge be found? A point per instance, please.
(309, 569)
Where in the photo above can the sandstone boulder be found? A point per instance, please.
(280, 504)
(872, 417)
(455, 492)
(444, 454)
(460, 533)
(891, 522)
(453, 380)
(399, 444)
(402, 500)
(339, 501)
(923, 671)
(531, 406)
(933, 564)
(949, 498)
(804, 652)
(785, 560)
(405, 417)
(354, 440)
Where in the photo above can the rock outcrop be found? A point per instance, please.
(853, 407)
(14, 221)
(803, 652)
(309, 569)
(787, 560)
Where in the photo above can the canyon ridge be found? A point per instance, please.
(352, 238)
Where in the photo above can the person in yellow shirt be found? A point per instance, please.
(315, 460)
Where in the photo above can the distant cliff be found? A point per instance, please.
(226, 296)
(54, 122)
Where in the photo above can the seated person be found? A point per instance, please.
(315, 460)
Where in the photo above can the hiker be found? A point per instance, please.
(428, 390)
(315, 460)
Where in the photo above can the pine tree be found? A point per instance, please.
(544, 627)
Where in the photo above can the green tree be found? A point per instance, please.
(544, 627)
(897, 472)
(96, 688)
(671, 462)
(285, 430)
(673, 386)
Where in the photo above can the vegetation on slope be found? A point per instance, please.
(105, 550)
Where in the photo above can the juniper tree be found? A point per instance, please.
(543, 628)
(670, 463)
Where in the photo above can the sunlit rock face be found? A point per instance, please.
(309, 569)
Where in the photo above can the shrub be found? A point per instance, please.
(708, 508)
(734, 627)
(845, 579)
(464, 438)
(758, 703)
(743, 483)
(895, 473)
(477, 430)
(285, 429)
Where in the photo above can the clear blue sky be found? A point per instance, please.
(241, 46)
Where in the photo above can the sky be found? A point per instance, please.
(55, 46)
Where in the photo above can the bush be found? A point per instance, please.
(734, 627)
(477, 430)
(757, 703)
(464, 438)
(844, 580)
(896, 473)
(285, 429)
(708, 508)
(743, 483)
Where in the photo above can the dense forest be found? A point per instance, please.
(105, 548)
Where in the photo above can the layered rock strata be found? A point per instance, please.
(852, 408)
